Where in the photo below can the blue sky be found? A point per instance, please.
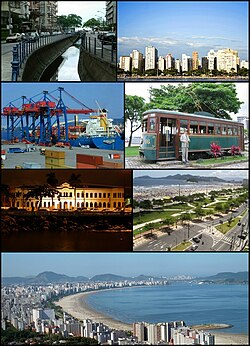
(108, 95)
(223, 174)
(183, 26)
(90, 264)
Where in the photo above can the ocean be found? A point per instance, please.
(193, 303)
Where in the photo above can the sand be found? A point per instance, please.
(230, 339)
(77, 307)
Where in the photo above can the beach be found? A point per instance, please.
(77, 306)
(230, 339)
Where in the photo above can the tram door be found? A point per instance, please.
(167, 138)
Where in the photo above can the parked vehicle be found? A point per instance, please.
(14, 38)
(109, 38)
(33, 36)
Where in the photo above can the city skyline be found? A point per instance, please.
(223, 174)
(130, 264)
(183, 27)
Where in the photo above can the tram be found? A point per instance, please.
(161, 131)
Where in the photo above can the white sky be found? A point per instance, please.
(84, 9)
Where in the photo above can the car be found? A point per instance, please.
(14, 38)
(109, 38)
(32, 36)
(195, 239)
(193, 247)
(200, 236)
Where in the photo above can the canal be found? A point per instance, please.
(64, 68)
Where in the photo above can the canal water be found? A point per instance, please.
(64, 68)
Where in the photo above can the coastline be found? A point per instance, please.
(77, 306)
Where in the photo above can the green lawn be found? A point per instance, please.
(131, 151)
(152, 216)
(225, 227)
(219, 160)
(181, 247)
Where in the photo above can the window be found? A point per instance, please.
(183, 125)
(44, 204)
(70, 194)
(230, 131)
(104, 195)
(144, 126)
(95, 195)
(108, 194)
(100, 195)
(210, 128)
(224, 130)
(119, 204)
(28, 204)
(82, 194)
(91, 195)
(48, 204)
(203, 127)
(100, 204)
(152, 123)
(217, 129)
(114, 195)
(87, 195)
(235, 131)
(78, 195)
(114, 204)
(78, 205)
(193, 127)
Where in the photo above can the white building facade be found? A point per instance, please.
(151, 57)
(69, 198)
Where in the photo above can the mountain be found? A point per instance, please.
(227, 277)
(108, 277)
(46, 277)
(146, 180)
(49, 277)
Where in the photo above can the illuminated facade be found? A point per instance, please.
(69, 198)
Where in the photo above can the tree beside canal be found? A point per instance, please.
(134, 108)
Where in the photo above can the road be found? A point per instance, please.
(211, 238)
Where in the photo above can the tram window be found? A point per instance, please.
(218, 130)
(152, 124)
(144, 126)
(230, 131)
(211, 128)
(203, 127)
(224, 130)
(235, 131)
(183, 125)
(193, 128)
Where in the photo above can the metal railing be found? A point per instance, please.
(23, 49)
(101, 49)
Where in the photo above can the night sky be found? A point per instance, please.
(112, 177)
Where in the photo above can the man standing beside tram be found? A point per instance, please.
(184, 145)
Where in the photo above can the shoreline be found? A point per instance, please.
(77, 306)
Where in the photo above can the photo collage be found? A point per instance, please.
(124, 172)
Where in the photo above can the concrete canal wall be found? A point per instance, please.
(90, 68)
(40, 59)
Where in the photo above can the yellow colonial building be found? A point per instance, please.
(69, 198)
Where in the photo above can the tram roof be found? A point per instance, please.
(195, 115)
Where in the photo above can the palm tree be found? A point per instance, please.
(53, 182)
(75, 181)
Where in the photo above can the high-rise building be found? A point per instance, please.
(44, 15)
(177, 65)
(161, 63)
(151, 57)
(9, 9)
(185, 62)
(227, 59)
(212, 57)
(137, 60)
(125, 63)
(195, 60)
(139, 331)
(111, 14)
(169, 61)
(204, 63)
